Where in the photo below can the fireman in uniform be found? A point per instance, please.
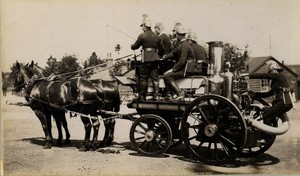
(185, 52)
(174, 41)
(149, 66)
(199, 51)
(279, 87)
(164, 48)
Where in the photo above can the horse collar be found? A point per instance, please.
(29, 86)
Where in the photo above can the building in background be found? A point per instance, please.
(257, 65)
(296, 69)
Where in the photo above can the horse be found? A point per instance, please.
(74, 94)
(43, 112)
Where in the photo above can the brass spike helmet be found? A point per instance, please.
(181, 30)
(272, 65)
(146, 21)
(176, 26)
(192, 36)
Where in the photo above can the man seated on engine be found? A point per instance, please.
(179, 70)
(279, 87)
(200, 55)
(199, 51)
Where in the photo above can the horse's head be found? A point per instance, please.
(39, 71)
(22, 76)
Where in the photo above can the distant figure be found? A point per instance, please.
(4, 87)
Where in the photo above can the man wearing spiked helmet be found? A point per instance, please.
(185, 53)
(149, 41)
(279, 88)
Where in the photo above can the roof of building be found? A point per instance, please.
(295, 68)
(255, 63)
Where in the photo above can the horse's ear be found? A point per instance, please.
(32, 63)
(18, 65)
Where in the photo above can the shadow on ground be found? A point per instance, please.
(180, 152)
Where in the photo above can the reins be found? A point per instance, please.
(88, 68)
(31, 81)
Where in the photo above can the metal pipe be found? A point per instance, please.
(272, 130)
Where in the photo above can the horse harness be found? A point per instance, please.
(29, 86)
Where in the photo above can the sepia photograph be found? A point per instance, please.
(161, 87)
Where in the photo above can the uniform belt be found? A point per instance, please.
(285, 89)
(149, 49)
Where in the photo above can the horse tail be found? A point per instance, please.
(117, 100)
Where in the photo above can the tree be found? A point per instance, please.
(116, 69)
(14, 69)
(92, 61)
(236, 56)
(118, 48)
(53, 66)
(69, 64)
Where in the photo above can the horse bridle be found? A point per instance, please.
(27, 85)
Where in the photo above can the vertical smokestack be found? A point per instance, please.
(216, 56)
(282, 62)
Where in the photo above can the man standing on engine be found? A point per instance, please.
(149, 66)
(165, 46)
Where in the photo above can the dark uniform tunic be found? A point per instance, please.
(165, 46)
(199, 52)
(279, 84)
(185, 51)
(150, 42)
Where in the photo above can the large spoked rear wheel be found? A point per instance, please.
(150, 135)
(213, 129)
(259, 142)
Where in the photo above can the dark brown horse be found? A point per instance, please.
(47, 96)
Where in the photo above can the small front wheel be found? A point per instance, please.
(150, 135)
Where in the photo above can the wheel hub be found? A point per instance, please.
(210, 130)
(149, 135)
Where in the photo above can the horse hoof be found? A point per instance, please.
(83, 149)
(106, 144)
(94, 147)
(47, 146)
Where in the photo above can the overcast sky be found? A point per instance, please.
(32, 29)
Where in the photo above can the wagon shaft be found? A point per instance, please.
(178, 106)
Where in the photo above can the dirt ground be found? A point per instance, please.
(23, 152)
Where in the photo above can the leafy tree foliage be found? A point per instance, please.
(236, 56)
(116, 69)
(69, 64)
(92, 61)
(14, 69)
(118, 48)
(53, 66)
